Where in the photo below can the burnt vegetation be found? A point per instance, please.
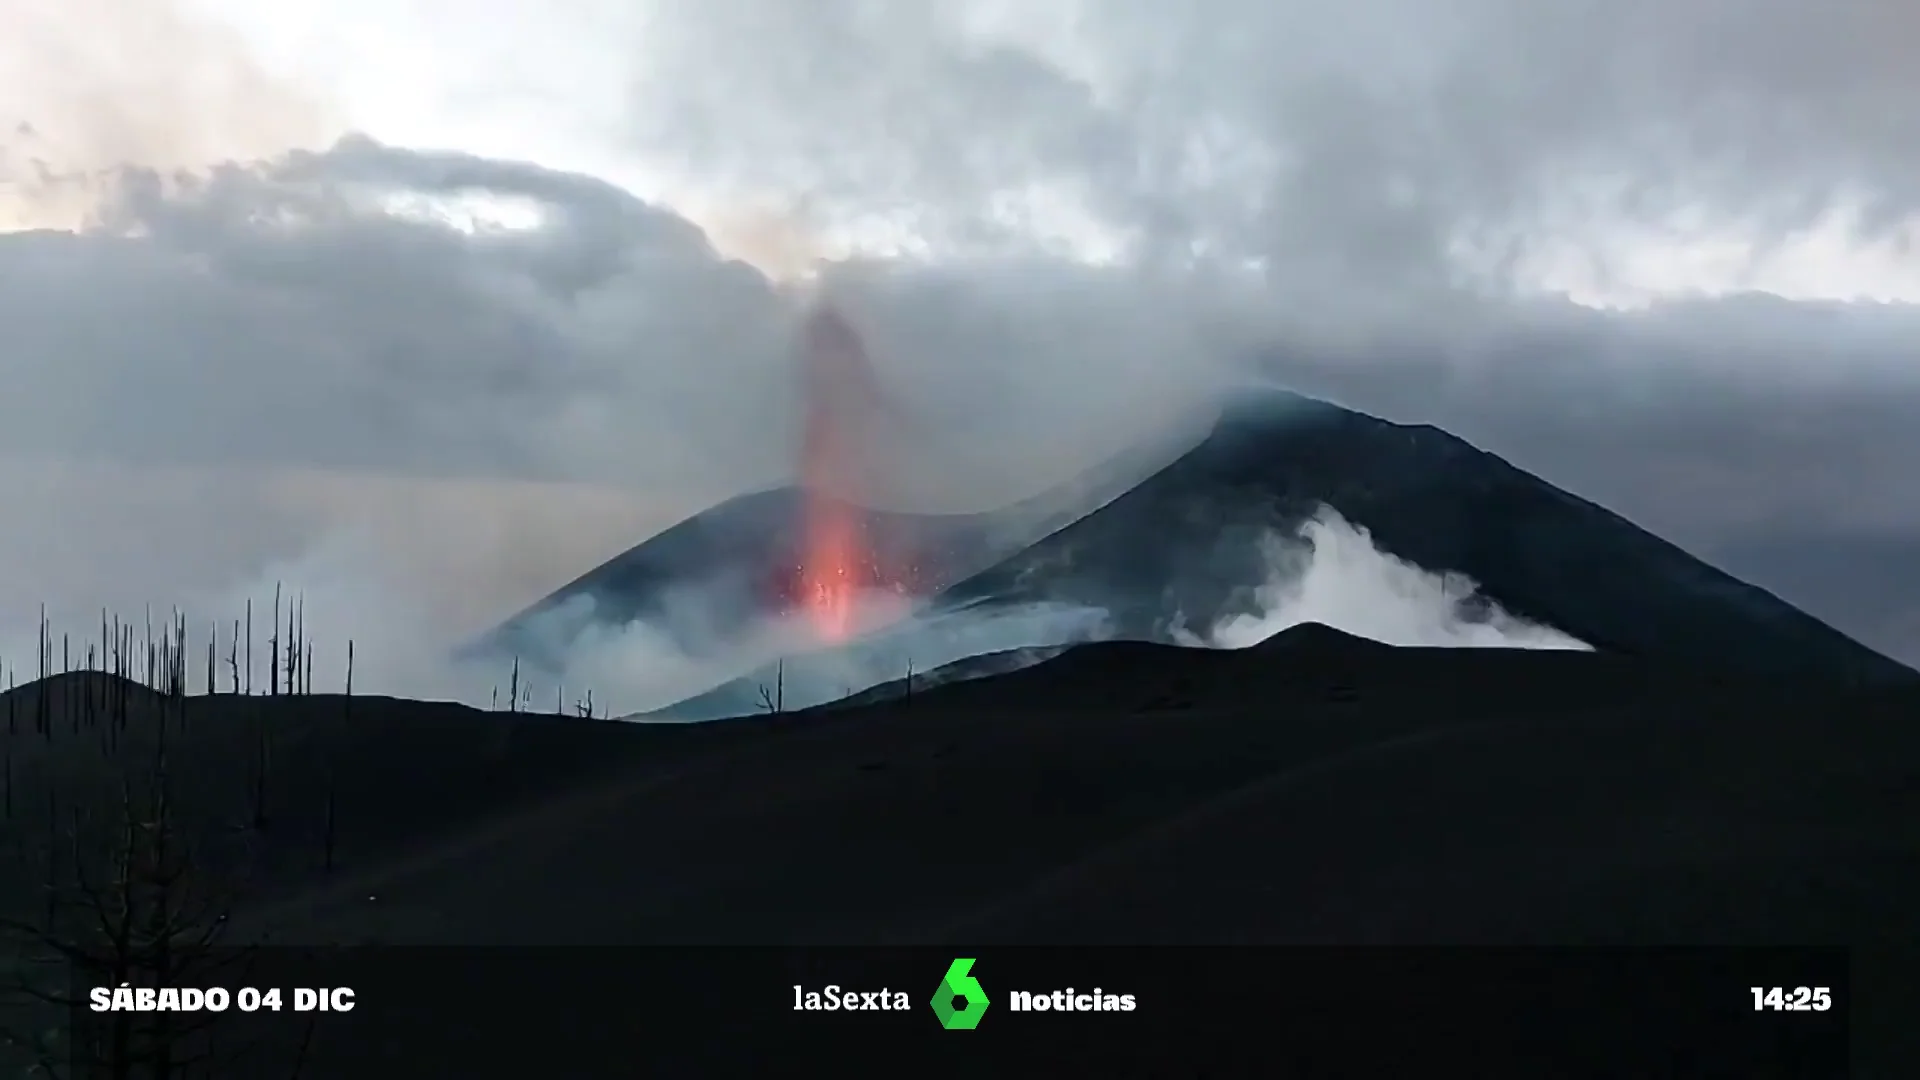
(152, 785)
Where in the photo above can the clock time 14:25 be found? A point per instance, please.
(1794, 999)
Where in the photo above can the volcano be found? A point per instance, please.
(1182, 545)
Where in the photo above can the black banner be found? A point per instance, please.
(1310, 1012)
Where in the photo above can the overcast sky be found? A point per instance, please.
(530, 309)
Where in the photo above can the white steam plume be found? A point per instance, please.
(1331, 573)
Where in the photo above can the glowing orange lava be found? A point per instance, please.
(839, 397)
(828, 575)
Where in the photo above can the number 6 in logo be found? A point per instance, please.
(959, 1002)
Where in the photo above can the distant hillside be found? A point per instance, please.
(1183, 541)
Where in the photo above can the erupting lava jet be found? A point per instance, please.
(840, 455)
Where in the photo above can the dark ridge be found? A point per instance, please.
(1310, 660)
(1116, 666)
(1097, 674)
(62, 683)
(75, 692)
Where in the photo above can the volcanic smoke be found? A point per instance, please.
(840, 399)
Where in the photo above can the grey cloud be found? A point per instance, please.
(1357, 142)
(274, 314)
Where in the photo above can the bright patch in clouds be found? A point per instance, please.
(467, 212)
(555, 83)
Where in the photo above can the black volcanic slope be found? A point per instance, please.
(1315, 788)
(1186, 540)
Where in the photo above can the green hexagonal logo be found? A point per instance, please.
(958, 985)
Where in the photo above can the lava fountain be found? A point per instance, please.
(840, 399)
